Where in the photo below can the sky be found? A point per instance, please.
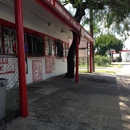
(127, 42)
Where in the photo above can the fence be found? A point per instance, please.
(9, 71)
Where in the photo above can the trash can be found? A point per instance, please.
(3, 83)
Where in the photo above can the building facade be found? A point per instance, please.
(36, 33)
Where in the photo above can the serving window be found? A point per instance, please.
(65, 49)
(49, 46)
(33, 45)
(59, 48)
(9, 36)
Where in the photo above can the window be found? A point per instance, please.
(59, 48)
(10, 41)
(33, 45)
(40, 46)
(67, 49)
(49, 45)
(64, 50)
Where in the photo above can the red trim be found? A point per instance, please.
(30, 31)
(7, 23)
(125, 51)
(77, 59)
(50, 7)
(21, 58)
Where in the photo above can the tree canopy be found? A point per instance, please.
(111, 12)
(105, 43)
(114, 14)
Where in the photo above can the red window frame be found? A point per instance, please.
(4, 23)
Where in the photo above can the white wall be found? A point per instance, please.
(39, 26)
(7, 12)
(60, 68)
(127, 44)
(125, 56)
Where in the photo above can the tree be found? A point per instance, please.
(105, 43)
(117, 11)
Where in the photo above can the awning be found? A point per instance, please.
(52, 13)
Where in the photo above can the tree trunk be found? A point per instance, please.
(91, 33)
(70, 58)
(71, 54)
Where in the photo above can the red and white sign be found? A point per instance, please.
(37, 70)
(7, 65)
(48, 63)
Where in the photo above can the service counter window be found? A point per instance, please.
(40, 46)
(59, 48)
(1, 40)
(49, 46)
(33, 45)
(10, 46)
(64, 50)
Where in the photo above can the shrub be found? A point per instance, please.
(101, 60)
(118, 59)
(98, 60)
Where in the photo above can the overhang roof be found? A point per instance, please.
(51, 12)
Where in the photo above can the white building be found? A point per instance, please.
(125, 53)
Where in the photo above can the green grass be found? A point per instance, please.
(99, 71)
(105, 71)
(83, 71)
(96, 66)
(83, 66)
(118, 66)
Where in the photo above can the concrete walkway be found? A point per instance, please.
(97, 102)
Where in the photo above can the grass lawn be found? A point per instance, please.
(105, 71)
(99, 71)
(96, 66)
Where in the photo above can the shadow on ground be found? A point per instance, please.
(97, 102)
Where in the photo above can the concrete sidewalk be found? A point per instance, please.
(97, 102)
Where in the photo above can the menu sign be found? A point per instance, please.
(37, 70)
(7, 65)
